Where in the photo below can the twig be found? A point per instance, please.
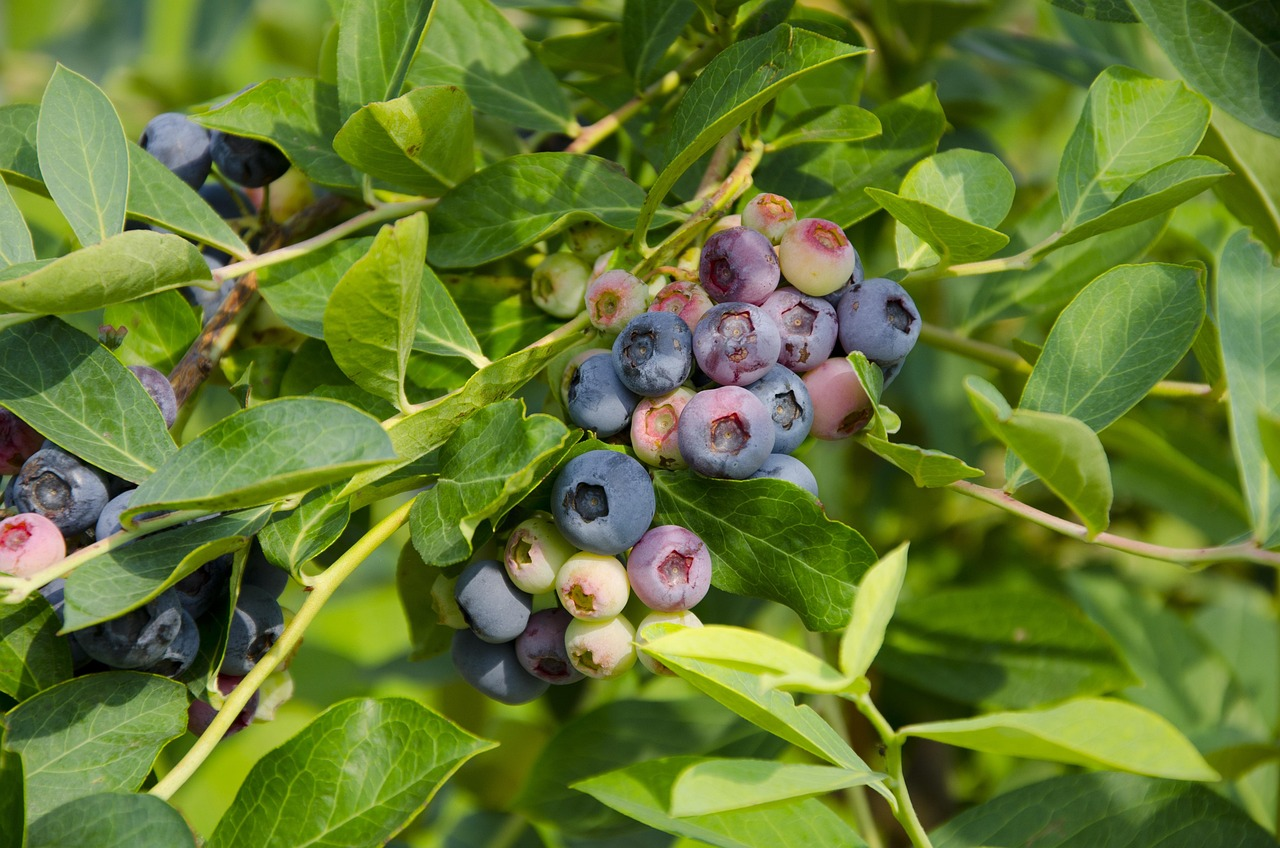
(893, 741)
(1242, 552)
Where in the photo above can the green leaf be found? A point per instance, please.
(1160, 189)
(735, 84)
(441, 329)
(1095, 732)
(1116, 11)
(827, 180)
(298, 115)
(523, 199)
(827, 124)
(928, 468)
(73, 391)
(1129, 121)
(84, 157)
(1248, 310)
(99, 733)
(12, 799)
(1269, 438)
(32, 657)
(873, 607)
(422, 142)
(649, 28)
(643, 792)
(471, 45)
(718, 786)
(157, 196)
(374, 763)
(744, 649)
(999, 647)
(417, 584)
(769, 539)
(491, 461)
(298, 290)
(129, 576)
(123, 267)
(373, 313)
(266, 452)
(574, 752)
(19, 162)
(1060, 450)
(954, 191)
(112, 820)
(161, 328)
(1120, 336)
(1114, 810)
(15, 238)
(1230, 52)
(291, 541)
(376, 45)
(1249, 191)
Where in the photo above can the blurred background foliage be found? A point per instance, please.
(1011, 76)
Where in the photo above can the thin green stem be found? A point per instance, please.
(893, 741)
(322, 589)
(1242, 552)
(1007, 360)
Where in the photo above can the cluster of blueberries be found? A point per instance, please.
(552, 611)
(761, 354)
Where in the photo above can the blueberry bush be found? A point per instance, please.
(504, 422)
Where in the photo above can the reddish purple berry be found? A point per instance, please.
(669, 568)
(725, 432)
(736, 343)
(687, 299)
(840, 404)
(18, 440)
(200, 714)
(541, 650)
(807, 326)
(738, 264)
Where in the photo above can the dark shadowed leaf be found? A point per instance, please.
(32, 657)
(649, 28)
(112, 820)
(290, 541)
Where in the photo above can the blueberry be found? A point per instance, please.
(614, 298)
(227, 206)
(534, 553)
(597, 399)
(540, 648)
(653, 354)
(602, 501)
(63, 489)
(854, 279)
(736, 343)
(601, 648)
(260, 572)
(18, 440)
(816, 256)
(256, 624)
(880, 319)
(494, 670)
(29, 543)
(158, 386)
(109, 519)
(684, 618)
(669, 568)
(739, 265)
(181, 145)
(688, 300)
(247, 161)
(725, 432)
(653, 429)
(592, 586)
(201, 714)
(181, 653)
(769, 214)
(561, 379)
(492, 605)
(137, 639)
(559, 284)
(199, 589)
(840, 405)
(779, 466)
(785, 396)
(807, 326)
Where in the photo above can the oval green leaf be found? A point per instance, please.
(161, 328)
(376, 45)
(111, 820)
(718, 786)
(15, 238)
(827, 124)
(749, 650)
(157, 196)
(32, 657)
(872, 608)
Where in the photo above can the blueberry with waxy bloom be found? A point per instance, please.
(807, 326)
(736, 343)
(669, 568)
(494, 670)
(541, 649)
(725, 432)
(878, 318)
(784, 394)
(738, 264)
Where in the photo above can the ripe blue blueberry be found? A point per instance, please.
(725, 432)
(602, 501)
(597, 399)
(854, 278)
(161, 391)
(181, 652)
(540, 648)
(880, 319)
(137, 639)
(62, 488)
(669, 568)
(494, 670)
(261, 572)
(492, 605)
(736, 343)
(653, 354)
(109, 519)
(227, 206)
(247, 161)
(738, 265)
(807, 326)
(256, 624)
(199, 589)
(785, 396)
(780, 466)
(181, 145)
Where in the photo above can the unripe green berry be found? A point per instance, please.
(560, 283)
